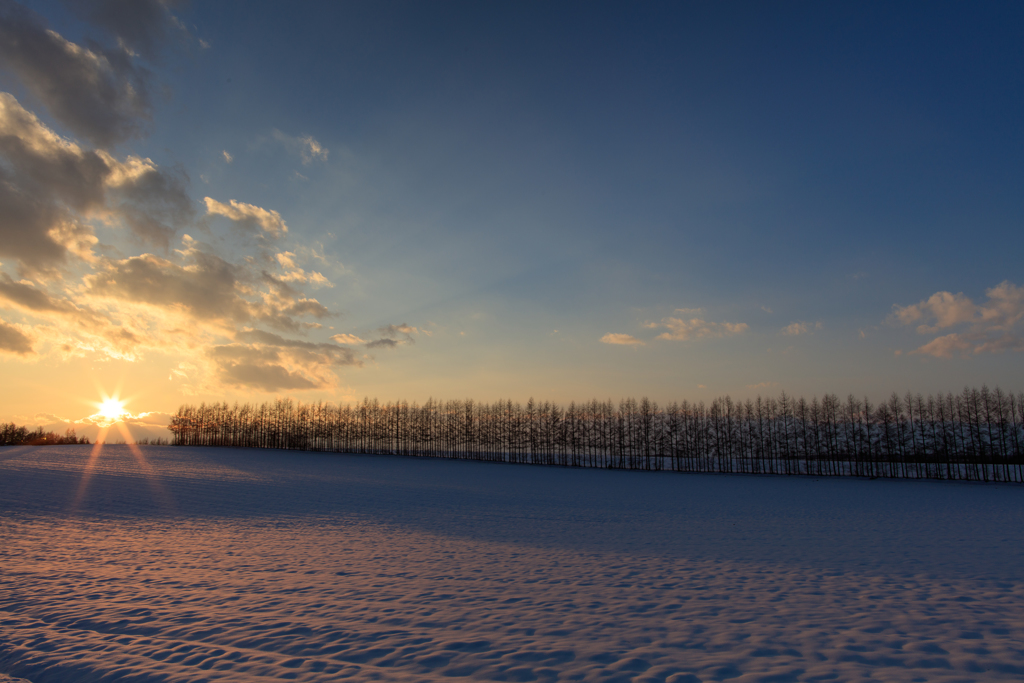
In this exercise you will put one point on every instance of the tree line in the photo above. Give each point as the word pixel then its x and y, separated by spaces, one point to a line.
pixel 974 435
pixel 13 435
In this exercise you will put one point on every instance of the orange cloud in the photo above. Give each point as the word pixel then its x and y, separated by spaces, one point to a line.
pixel 991 327
pixel 248 215
pixel 621 339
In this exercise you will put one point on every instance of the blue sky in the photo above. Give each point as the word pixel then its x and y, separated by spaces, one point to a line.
pixel 563 200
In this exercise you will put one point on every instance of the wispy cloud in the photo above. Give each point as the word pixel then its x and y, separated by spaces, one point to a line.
pixel 685 329
pixel 390 336
pixel 798 328
pixel 307 147
pixel 140 27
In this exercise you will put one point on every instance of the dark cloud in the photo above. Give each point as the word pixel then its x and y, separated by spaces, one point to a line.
pixel 50 186
pixel 143 26
pixel 99 94
pixel 25 224
pixel 393 335
pixel 29 298
pixel 305 353
pixel 269 362
pixel 267 377
pixel 286 303
pixel 258 368
pixel 154 204
pixel 13 340
pixel 206 288
pixel 47 166
pixel 307 307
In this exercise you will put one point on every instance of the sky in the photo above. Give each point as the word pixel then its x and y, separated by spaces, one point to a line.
pixel 245 201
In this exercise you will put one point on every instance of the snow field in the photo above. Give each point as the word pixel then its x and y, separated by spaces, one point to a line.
pixel 235 565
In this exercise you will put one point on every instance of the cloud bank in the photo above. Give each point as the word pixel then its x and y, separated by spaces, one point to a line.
pixel 990 327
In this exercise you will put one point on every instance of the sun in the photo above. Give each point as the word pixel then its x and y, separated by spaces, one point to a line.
pixel 112 409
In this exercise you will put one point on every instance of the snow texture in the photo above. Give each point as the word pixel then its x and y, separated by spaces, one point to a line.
pixel 190 564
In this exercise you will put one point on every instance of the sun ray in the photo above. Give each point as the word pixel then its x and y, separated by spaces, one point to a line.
pixel 111 412
pixel 94 455
pixel 147 470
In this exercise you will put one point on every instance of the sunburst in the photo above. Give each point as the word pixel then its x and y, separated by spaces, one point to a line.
pixel 111 412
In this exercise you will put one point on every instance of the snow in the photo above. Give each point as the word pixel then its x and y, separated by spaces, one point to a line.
pixel 192 564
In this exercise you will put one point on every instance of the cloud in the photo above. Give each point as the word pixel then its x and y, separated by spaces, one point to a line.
pixel 306 146
pixel 295 274
pixel 763 385
pixel 71 328
pixel 100 420
pixel 143 27
pixel 248 216
pixel 680 329
pixel 945 346
pixel 225 321
pixel 206 288
pixel 391 336
pixel 99 94
pixel 268 362
pixel 27 297
pixel 186 307
pixel 265 376
pixel 943 308
pixel 300 351
pixel 344 338
pixel 152 203
pixel 13 340
pixel 623 339
pixel 50 188
pixel 797 328
pixel 991 327
pixel 203 287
